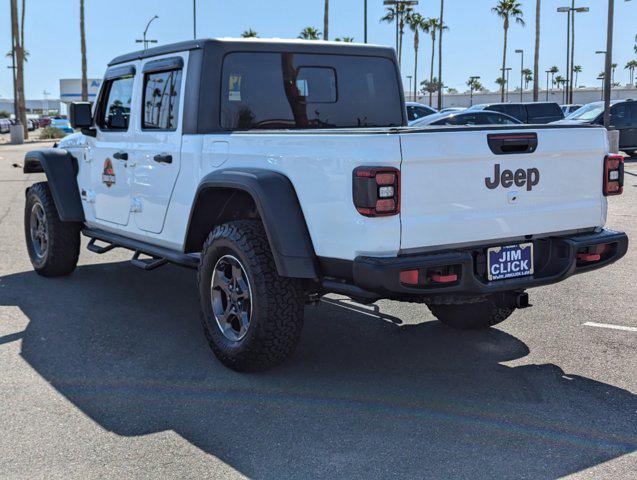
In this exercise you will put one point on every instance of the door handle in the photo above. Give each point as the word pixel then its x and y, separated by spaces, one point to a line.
pixel 120 156
pixel 164 158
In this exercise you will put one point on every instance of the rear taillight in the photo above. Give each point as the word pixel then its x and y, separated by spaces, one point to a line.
pixel 376 191
pixel 613 175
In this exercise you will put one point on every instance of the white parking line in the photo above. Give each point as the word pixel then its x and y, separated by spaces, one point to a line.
pixel 613 327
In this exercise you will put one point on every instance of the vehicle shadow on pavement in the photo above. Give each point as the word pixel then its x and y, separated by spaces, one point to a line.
pixel 363 397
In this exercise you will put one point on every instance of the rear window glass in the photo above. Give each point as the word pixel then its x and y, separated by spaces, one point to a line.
pixel 287 90
pixel 544 109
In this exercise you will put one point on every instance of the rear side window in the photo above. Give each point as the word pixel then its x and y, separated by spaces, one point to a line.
pixel 115 104
pixel 161 100
pixel 544 111
pixel 308 91
pixel 493 119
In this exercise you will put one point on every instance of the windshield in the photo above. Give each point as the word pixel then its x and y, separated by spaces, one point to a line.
pixel 587 112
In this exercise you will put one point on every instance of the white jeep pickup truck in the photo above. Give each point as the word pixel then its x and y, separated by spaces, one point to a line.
pixel 284 170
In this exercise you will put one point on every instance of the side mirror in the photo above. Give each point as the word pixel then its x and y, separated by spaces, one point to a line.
pixel 80 115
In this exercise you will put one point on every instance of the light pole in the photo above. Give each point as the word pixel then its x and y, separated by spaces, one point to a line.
pixel 521 52
pixel 365 20
pixel 472 81
pixel 547 84
pixel 194 19
pixel 505 77
pixel 46 101
pixel 144 40
pixel 567 10
pixel 572 70
pixel 409 77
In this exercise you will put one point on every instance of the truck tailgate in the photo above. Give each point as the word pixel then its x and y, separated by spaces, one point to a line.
pixel 450 193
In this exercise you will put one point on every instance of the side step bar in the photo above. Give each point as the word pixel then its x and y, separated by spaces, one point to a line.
pixel 160 255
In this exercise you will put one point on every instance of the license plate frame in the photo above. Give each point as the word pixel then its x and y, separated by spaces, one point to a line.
pixel 507 266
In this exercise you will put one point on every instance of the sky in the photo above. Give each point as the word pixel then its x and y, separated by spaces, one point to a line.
pixel 472 46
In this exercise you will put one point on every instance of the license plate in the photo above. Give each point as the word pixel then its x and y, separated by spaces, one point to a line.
pixel 511 261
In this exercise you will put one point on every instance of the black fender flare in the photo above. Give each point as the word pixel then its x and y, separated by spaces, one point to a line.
pixel 61 170
pixel 280 211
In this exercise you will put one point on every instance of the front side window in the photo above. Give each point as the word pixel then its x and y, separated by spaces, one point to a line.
pixel 161 100
pixel 308 91
pixel 116 104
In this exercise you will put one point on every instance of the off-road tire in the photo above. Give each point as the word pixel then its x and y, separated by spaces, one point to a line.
pixel 471 316
pixel 63 247
pixel 277 303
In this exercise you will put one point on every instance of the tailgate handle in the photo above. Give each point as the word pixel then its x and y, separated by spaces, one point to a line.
pixel 512 143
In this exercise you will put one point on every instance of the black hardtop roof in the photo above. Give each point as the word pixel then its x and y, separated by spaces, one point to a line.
pixel 258 44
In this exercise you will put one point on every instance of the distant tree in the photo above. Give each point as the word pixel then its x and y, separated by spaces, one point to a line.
pixel 416 24
pixel 249 33
pixel 631 66
pixel 430 86
pixel 400 11
pixel 5 114
pixel 432 27
pixel 613 67
pixel 507 10
pixel 528 77
pixel 452 90
pixel 344 39
pixel 501 81
pixel 577 69
pixel 310 33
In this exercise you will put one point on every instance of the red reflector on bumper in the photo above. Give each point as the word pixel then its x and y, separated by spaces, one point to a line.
pixel 409 277
pixel 444 278
pixel 589 257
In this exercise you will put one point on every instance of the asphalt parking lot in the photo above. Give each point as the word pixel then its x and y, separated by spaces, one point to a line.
pixel 106 374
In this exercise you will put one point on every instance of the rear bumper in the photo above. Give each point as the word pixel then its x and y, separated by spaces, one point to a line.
pixel 555 260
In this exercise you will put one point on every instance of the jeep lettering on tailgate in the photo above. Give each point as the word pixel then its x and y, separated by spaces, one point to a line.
pixel 529 177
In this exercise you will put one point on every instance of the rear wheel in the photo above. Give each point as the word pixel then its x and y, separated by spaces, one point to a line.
pixel 252 317
pixel 53 245
pixel 471 316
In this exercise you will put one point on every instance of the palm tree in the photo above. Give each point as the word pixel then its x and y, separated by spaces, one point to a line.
pixel 577 69
pixel 19 52
pixel 553 70
pixel 560 81
pixel 631 66
pixel 310 33
pixel 416 23
pixel 344 39
pixel 528 77
pixel 430 86
pixel 400 12
pixel 441 27
pixel 613 67
pixel 83 50
pixel 474 86
pixel 249 33
pixel 507 10
pixel 431 26
pixel 326 20
pixel 536 57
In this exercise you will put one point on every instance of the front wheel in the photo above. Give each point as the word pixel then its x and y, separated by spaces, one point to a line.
pixel 252 317
pixel 53 245
pixel 471 316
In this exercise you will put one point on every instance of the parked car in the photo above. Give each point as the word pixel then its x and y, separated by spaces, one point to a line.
pixel 45 122
pixel 623 117
pixel 568 109
pixel 280 192
pixel 532 113
pixel 416 111
pixel 63 124
pixel 484 117
pixel 453 109
pixel 5 125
